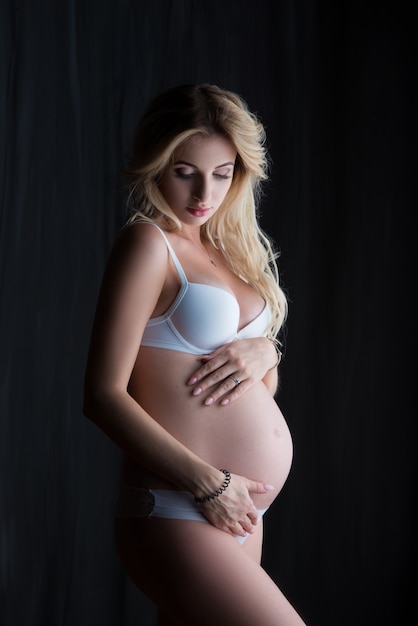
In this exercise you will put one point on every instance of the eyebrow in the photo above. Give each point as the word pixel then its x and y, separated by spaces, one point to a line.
pixel 215 168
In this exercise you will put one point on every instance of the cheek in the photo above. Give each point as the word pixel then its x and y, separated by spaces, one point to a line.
pixel 169 191
pixel 224 191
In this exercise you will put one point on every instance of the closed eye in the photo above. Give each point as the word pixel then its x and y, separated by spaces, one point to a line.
pixel 185 175
pixel 181 174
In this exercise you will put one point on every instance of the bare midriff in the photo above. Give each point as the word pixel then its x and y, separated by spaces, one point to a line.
pixel 248 437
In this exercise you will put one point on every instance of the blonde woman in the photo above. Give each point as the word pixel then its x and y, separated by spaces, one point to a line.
pixel 182 367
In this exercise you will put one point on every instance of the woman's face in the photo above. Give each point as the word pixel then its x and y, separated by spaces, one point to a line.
pixel 197 181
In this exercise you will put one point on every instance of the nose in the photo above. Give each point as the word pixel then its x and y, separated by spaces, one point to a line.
pixel 201 192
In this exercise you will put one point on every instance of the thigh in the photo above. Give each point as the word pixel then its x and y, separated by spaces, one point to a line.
pixel 197 574
pixel 254 543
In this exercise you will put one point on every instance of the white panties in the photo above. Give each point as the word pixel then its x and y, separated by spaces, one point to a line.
pixel 166 503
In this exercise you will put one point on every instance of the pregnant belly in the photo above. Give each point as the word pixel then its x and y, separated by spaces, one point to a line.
pixel 252 439
pixel 249 437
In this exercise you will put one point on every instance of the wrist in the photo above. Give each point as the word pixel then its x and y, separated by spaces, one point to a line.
pixel 217 492
pixel 278 352
pixel 207 482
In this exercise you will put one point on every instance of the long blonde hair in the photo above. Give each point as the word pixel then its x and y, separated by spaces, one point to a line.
pixel 176 115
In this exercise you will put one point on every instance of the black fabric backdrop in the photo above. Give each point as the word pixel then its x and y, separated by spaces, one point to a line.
pixel 335 85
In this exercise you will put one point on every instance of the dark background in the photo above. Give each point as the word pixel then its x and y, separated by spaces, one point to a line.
pixel 334 83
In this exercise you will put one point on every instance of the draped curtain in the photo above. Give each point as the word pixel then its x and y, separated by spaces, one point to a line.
pixel 334 84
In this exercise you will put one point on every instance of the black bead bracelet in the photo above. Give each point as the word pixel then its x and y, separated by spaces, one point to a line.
pixel 218 492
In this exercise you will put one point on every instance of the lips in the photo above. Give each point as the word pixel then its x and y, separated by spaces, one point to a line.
pixel 199 211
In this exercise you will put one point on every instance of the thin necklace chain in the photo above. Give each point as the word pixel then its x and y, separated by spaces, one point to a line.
pixel 210 259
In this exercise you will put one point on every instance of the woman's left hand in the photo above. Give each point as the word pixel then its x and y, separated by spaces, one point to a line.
pixel 233 368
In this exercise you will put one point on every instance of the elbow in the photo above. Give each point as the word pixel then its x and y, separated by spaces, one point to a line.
pixel 92 403
pixel 100 402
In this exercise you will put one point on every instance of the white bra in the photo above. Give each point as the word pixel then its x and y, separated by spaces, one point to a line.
pixel 201 318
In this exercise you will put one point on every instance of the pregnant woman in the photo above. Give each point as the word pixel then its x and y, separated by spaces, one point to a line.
pixel 182 366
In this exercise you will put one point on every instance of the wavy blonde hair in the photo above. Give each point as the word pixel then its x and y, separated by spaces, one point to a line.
pixel 173 117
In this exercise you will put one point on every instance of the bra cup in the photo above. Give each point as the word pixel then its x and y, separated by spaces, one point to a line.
pixel 256 328
pixel 206 317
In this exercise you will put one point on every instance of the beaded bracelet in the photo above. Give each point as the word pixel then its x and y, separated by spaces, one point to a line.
pixel 278 352
pixel 218 492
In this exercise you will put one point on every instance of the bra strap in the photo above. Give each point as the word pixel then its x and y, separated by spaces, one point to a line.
pixel 173 255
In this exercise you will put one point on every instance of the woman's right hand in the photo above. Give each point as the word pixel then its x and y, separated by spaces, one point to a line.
pixel 233 511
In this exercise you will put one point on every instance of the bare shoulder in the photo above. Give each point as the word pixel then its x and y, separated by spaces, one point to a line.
pixel 139 246
pixel 141 238
pixel 138 261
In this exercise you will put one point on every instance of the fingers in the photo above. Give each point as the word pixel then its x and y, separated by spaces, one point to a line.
pixel 251 521
pixel 225 379
pixel 242 528
pixel 244 360
pixel 227 391
pixel 213 371
pixel 257 487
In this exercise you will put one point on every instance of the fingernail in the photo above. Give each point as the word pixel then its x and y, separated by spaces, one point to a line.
pixel 268 487
pixel 191 381
pixel 197 391
pixel 225 401
pixel 209 400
